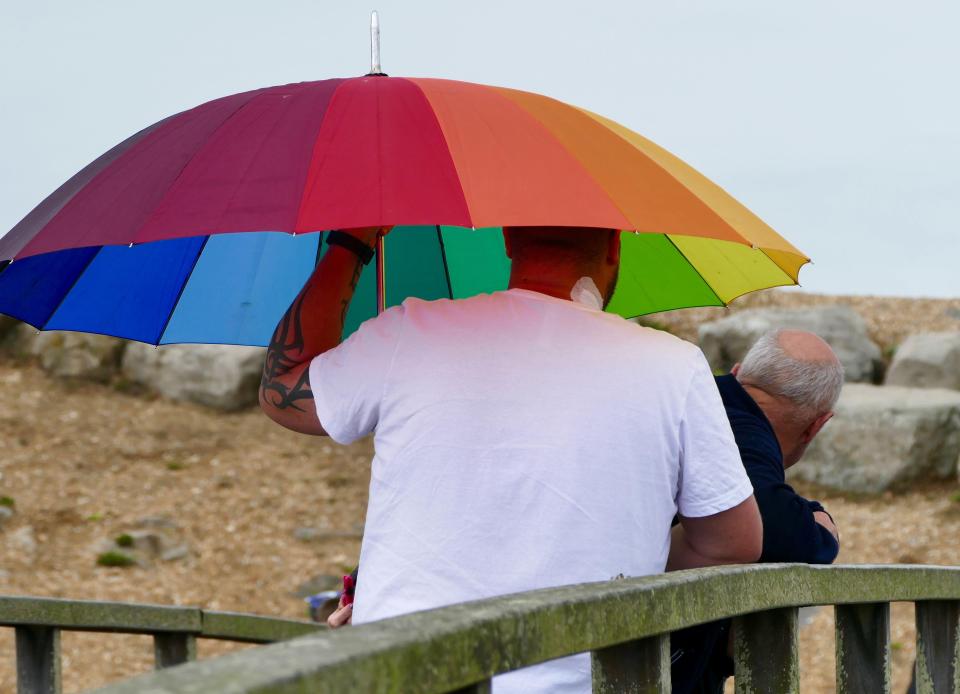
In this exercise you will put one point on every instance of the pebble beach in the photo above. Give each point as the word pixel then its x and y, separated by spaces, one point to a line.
pixel 85 462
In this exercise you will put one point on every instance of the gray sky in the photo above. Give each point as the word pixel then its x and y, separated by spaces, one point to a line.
pixel 838 123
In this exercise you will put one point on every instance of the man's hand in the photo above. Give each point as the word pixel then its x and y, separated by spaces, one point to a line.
pixel 341 616
pixel 823 518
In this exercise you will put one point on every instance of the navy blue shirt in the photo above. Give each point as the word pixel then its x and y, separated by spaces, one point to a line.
pixel 699 660
pixel 790 532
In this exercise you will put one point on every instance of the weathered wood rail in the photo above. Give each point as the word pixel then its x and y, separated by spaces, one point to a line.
pixel 625 624
pixel 38 623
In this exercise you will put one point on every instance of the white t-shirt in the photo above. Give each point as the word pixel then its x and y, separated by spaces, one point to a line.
pixel 522 441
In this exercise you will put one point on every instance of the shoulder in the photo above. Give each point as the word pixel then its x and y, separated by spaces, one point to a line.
pixel 666 340
pixel 385 327
pixel 754 431
pixel 661 344
pixel 477 304
pixel 392 316
pixel 757 443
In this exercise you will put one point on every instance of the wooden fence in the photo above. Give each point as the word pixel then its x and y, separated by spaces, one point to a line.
pixel 39 621
pixel 625 624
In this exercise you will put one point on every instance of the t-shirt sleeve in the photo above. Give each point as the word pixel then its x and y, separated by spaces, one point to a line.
pixel 348 381
pixel 712 478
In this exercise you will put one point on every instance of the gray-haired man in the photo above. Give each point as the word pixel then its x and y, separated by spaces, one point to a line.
pixel 777 400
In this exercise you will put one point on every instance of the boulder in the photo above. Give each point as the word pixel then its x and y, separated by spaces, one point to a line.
pixel 726 341
pixel 151 539
pixel 885 437
pixel 927 360
pixel 68 354
pixel 225 377
pixel 7 325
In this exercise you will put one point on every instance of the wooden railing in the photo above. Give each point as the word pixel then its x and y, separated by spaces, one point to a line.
pixel 624 623
pixel 39 621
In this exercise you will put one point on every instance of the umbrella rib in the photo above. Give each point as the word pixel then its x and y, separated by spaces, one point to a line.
pixel 794 280
pixel 72 285
pixel 443 257
pixel 696 270
pixel 672 175
pixel 183 286
pixel 193 155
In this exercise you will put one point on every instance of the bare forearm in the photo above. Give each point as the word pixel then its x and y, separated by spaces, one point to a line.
pixel 733 536
pixel 311 326
pixel 684 556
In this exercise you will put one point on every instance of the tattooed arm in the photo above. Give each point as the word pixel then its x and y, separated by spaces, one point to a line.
pixel 312 325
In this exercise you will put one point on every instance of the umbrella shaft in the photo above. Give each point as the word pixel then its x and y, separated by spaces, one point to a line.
pixel 381 288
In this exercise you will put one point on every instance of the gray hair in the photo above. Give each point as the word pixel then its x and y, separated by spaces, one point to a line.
pixel 813 386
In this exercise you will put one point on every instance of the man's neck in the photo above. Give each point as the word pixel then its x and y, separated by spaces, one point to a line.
pixel 553 279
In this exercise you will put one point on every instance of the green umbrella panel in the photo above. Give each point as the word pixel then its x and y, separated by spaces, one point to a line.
pixel 657 272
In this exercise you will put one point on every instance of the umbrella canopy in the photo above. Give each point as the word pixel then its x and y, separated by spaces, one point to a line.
pixel 143 242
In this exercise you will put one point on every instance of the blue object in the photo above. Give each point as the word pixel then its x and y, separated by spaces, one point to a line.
pixel 790 532
pixel 223 289
pixel 699 660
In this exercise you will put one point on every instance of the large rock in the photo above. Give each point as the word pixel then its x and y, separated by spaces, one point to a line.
pixel 153 538
pixel 927 360
pixel 885 437
pixel 222 376
pixel 726 341
pixel 69 354
pixel 7 325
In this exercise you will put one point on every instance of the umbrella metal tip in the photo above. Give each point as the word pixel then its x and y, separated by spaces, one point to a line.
pixel 375 43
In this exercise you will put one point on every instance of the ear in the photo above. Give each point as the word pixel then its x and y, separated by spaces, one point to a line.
pixel 613 248
pixel 815 426
pixel 736 369
pixel 506 243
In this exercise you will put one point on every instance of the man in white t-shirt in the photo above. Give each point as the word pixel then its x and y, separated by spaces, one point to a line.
pixel 524 439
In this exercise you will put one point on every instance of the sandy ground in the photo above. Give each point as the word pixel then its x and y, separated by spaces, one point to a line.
pixel 84 462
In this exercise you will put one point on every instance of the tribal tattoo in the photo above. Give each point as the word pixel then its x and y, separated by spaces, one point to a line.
pixel 285 346
pixel 286 351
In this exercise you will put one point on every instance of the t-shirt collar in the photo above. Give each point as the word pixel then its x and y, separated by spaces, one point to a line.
pixel 583 299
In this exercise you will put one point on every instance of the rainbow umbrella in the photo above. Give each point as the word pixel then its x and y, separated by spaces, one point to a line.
pixel 203 227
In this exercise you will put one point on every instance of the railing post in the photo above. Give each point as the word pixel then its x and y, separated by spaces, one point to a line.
pixel 635 667
pixel 38 660
pixel 938 647
pixel 173 648
pixel 863 648
pixel 765 652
